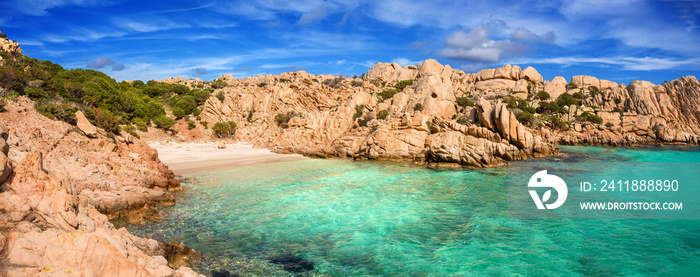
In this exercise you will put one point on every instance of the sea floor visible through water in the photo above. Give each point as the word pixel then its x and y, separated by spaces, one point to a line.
pixel 392 219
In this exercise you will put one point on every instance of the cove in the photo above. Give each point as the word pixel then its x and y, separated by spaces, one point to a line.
pixel 389 219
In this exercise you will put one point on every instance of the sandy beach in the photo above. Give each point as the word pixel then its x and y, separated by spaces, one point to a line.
pixel 185 158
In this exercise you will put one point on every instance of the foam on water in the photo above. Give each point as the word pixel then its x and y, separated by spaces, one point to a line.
pixel 375 218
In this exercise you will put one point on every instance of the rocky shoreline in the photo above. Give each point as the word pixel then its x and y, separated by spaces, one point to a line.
pixel 61 188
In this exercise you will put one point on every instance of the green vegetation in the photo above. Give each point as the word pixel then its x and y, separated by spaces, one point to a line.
pixel 571 85
pixel 543 95
pixel 191 125
pixel 464 102
pixel 566 99
pixel 618 100
pixel 224 129
pixel 250 115
pixel 359 110
pixel 618 110
pixel 283 80
pixel 283 119
pixel 559 124
pixel 356 83
pixel 163 122
pixel 411 67
pixel 514 103
pixel 463 121
pixel 59 93
pixel 418 107
pixel 403 84
pixel 217 84
pixel 383 114
pixel 386 94
pixel 593 90
pixel 260 85
pixel 608 124
pixel 363 121
pixel 525 118
pixel 577 95
pixel 592 118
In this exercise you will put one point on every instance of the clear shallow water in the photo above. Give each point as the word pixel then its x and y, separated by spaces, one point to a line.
pixel 387 219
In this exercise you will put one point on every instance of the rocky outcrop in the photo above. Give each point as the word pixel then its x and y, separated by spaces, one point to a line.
pixel 342 119
pixel 335 116
pixel 62 183
pixel 9 46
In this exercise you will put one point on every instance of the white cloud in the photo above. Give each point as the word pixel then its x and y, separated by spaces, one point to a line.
pixel 405 61
pixel 627 63
pixel 527 36
pixel 102 62
pixel 314 15
pixel 149 25
pixel 479 46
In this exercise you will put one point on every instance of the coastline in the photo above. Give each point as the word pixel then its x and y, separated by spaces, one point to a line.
pixel 191 157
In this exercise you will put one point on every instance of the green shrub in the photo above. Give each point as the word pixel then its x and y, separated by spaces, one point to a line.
pixel 383 114
pixel 525 118
pixel 224 129
pixel 411 67
pixel 463 121
pixel 283 80
pixel 363 121
pixel 205 124
pixel 571 85
pixel 618 110
pixel 464 102
pixel 140 124
pixel 283 119
pixel 608 124
pixel 543 95
pixel 386 94
pixel 56 110
pixel 592 118
pixel 131 130
pixel 250 115
pixel 259 85
pixel 403 84
pixel 593 90
pixel 164 122
pixel 578 95
pixel 191 125
pixel 566 99
pixel 35 93
pixel 220 96
pixel 418 107
pixel 105 120
pixel 359 110
pixel 559 124
pixel 179 112
pixel 217 84
pixel 356 83
pixel 618 100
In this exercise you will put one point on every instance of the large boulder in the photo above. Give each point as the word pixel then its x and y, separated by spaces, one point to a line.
pixel 555 87
pixel 531 74
pixel 85 126
pixel 583 81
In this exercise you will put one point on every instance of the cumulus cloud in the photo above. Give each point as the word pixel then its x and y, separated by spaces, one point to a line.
pixel 102 62
pixel 479 46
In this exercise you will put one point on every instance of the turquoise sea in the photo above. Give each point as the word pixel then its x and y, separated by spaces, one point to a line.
pixel 365 218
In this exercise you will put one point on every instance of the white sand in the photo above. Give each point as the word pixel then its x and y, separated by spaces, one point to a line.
pixel 185 158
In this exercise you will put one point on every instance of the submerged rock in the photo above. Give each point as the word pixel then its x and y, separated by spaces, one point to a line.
pixel 293 263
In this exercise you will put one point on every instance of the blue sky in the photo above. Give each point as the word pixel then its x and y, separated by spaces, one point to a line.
pixel 616 40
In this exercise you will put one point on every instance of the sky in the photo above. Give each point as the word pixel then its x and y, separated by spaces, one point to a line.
pixel 615 40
